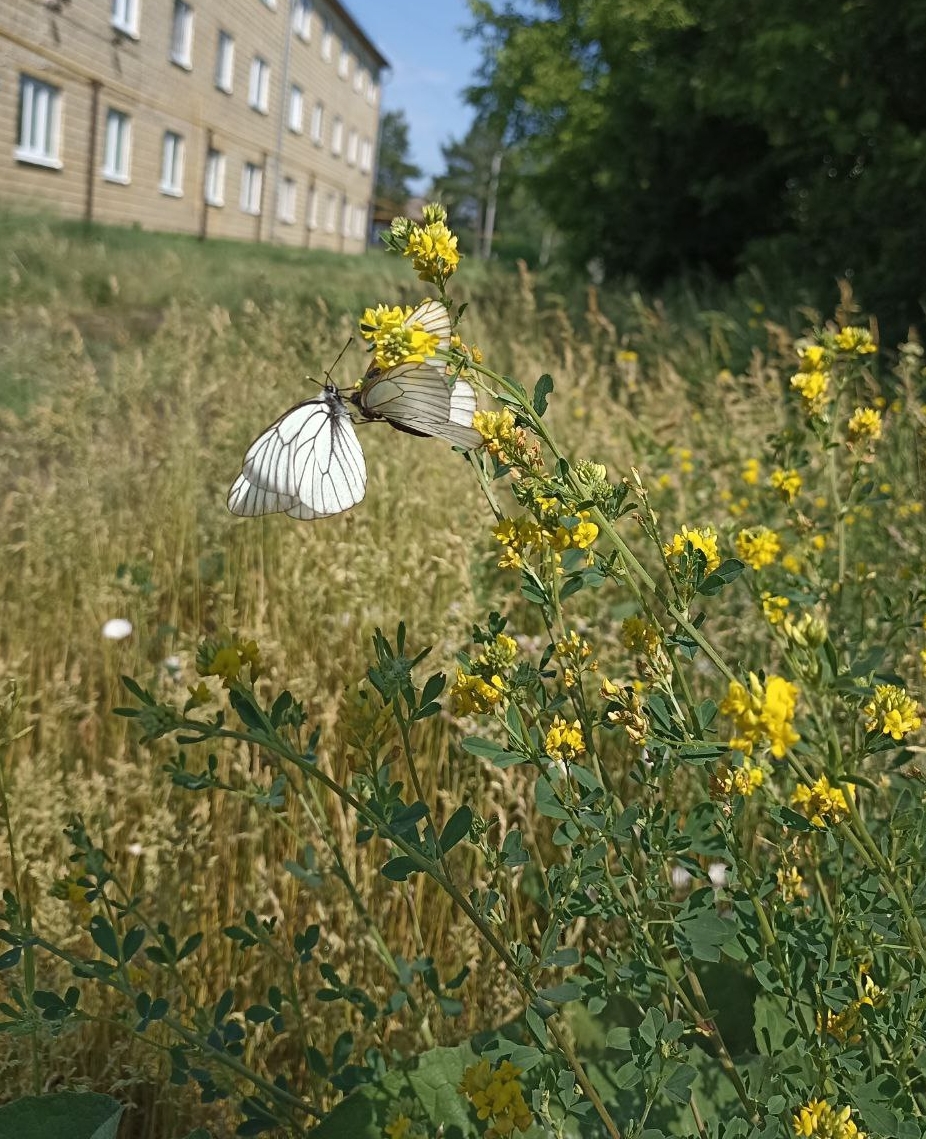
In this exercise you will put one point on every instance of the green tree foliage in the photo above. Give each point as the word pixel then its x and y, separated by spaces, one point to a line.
pixel 394 170
pixel 666 134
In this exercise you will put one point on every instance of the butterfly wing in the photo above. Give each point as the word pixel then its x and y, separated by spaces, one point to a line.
pixel 434 319
pixel 308 464
pixel 419 398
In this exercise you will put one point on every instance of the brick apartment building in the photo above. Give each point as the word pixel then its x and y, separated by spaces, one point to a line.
pixel 251 119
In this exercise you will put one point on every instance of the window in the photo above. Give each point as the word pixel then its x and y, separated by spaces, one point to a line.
pixel 39 122
pixel 225 63
pixel 366 156
pixel 331 211
pixel 311 209
pixel 344 62
pixel 214 188
pixel 125 17
pixel 372 90
pixel 286 201
pixel 346 213
pixel 360 222
pixel 172 165
pixel 360 79
pixel 252 180
pixel 271 4
pixel 181 37
pixel 327 42
pixel 337 136
pixel 352 143
pixel 318 123
pixel 116 146
pixel 295 109
pixel 259 90
pixel 302 19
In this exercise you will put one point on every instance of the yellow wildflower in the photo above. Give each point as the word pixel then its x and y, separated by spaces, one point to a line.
pixel 500 653
pixel 788 483
pixel 474 694
pixel 774 607
pixel 703 539
pixel 396 341
pixel 855 340
pixel 814 389
pixel 564 741
pixel 497 1097
pixel 822 803
pixel 761 713
pixel 584 534
pixel 892 712
pixel 865 425
pixel 399 1128
pixel 817 1120
pixel 790 883
pixel 640 636
pixel 727 781
pixel 433 250
pixel 750 473
pixel 758 547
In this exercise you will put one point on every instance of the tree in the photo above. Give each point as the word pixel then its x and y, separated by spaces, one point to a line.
pixel 666 134
pixel 394 169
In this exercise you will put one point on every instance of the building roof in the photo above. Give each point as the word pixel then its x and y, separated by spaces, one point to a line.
pixel 358 31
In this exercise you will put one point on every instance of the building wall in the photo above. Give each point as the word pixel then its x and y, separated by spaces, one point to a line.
pixel 73 46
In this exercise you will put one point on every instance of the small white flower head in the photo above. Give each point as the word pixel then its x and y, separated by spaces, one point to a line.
pixel 135 849
pixel 172 664
pixel 680 877
pixel 717 872
pixel 117 629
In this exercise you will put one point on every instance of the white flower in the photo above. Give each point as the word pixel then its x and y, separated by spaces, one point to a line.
pixel 117 629
pixel 680 877
pixel 135 849
pixel 717 872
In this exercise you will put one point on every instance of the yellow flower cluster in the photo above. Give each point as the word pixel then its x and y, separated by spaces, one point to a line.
pixel 758 547
pixel 396 341
pixel 624 708
pixel 564 741
pixel 523 535
pixel 431 246
pixel 822 803
pixel 575 657
pixel 500 653
pixel 817 1120
pixel 727 781
pixel 774 607
pixel 703 539
pixel 496 427
pixel 790 883
pixel 813 378
pixel 225 659
pixel 843 1025
pixel 892 712
pixel 399 1128
pixel 788 483
pixel 857 341
pixel 865 425
pixel 761 713
pixel 640 636
pixel 475 694
pixel 750 472
pixel 497 1096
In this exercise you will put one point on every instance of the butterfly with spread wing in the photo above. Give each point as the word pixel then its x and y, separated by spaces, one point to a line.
pixel 309 463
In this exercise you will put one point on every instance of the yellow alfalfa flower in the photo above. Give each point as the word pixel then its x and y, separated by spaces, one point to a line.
pixel 774 607
pixel 817 1120
pixel 758 547
pixel 564 742
pixel 750 472
pixel 762 714
pixel 813 388
pixel 399 1128
pixel 702 538
pixel 865 425
pixel 857 341
pixel 582 535
pixel 892 712
pixel 788 483
pixel 574 654
pixel 640 636
pixel 225 659
pixel 497 1097
pixel 845 1025
pixel 433 250
pixel 822 804
pixel 499 653
pixel 395 340
pixel 744 780
pixel 499 430
pixel 475 694
pixel 791 885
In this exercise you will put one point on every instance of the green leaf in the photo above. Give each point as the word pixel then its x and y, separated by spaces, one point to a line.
pixel 457 828
pixel 249 714
pixel 66 1115
pixel 726 572
pixel 561 994
pixel 104 936
pixel 398 869
pixel 542 389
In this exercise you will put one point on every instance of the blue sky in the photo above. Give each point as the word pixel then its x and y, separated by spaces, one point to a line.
pixel 431 64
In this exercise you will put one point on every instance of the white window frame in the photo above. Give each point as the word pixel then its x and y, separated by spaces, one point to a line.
pixel 259 85
pixel 252 181
pixel 286 201
pixel 117 147
pixel 360 75
pixel 337 136
pixel 372 90
pixel 311 207
pixel 360 222
pixel 296 108
pixel 318 123
pixel 225 62
pixel 172 159
pixel 40 106
pixel 366 156
pixel 124 17
pixel 347 213
pixel 181 35
pixel 344 62
pixel 331 213
pixel 327 42
pixel 302 19
pixel 214 182
pixel 353 141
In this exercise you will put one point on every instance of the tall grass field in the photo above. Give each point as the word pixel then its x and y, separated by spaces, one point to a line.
pixel 134 371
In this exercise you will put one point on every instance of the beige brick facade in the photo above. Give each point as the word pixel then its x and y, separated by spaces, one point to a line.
pixel 252 119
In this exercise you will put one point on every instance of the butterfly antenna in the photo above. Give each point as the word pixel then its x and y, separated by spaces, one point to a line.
pixel 328 372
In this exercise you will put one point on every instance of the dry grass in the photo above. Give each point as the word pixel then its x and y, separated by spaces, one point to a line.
pixel 113 472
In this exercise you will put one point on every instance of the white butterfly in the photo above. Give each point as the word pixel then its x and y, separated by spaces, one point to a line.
pixel 309 464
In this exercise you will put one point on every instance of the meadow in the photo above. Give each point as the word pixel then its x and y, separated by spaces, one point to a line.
pixel 134 371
